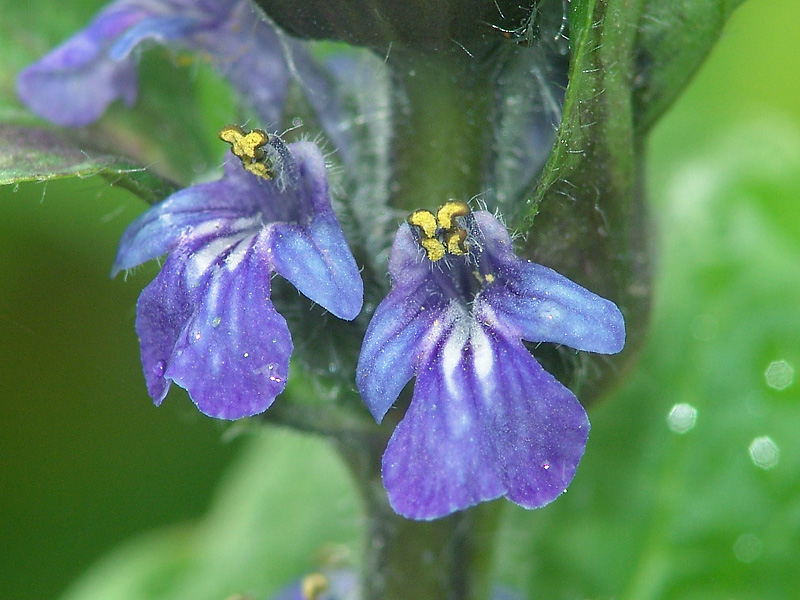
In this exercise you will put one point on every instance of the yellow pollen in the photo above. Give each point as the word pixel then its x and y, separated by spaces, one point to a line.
pixel 313 586
pixel 441 234
pixel 248 147
pixel 457 242
pixel 489 278
pixel 449 211
pixel 434 248
pixel 425 220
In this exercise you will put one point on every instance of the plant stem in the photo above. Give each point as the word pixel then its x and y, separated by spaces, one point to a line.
pixel 442 135
pixel 441 143
pixel 445 559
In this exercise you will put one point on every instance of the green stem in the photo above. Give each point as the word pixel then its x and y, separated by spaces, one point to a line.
pixel 441 137
pixel 442 134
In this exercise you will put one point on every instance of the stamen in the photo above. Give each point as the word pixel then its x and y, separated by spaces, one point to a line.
pixel 425 220
pixel 457 242
pixel 433 248
pixel 439 235
pixel 449 211
pixel 248 147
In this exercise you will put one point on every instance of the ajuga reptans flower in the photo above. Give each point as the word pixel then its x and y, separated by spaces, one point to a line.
pixel 207 322
pixel 485 420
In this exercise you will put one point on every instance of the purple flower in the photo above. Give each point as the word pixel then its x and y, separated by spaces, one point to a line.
pixel 207 322
pixel 75 83
pixel 485 419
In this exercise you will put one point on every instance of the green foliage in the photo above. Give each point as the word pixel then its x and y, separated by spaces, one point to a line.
pixel 286 492
pixel 36 154
pixel 657 514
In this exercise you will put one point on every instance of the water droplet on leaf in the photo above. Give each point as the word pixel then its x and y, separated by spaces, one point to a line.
pixel 764 452
pixel 682 418
pixel 779 375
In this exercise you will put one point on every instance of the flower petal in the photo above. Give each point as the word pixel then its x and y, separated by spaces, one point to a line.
pixel 392 343
pixel 439 460
pixel 247 51
pixel 233 355
pixel 485 420
pixel 542 305
pixel 217 209
pixel 313 254
pixel 318 262
pixel 538 427
pixel 74 84
pixel 390 348
pixel 163 309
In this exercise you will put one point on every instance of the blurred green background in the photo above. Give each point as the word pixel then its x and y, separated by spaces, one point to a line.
pixel 690 487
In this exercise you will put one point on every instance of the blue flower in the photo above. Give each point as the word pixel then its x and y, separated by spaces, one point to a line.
pixel 207 322
pixel 485 420
pixel 75 83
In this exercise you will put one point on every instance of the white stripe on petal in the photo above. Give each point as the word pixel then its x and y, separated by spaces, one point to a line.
pixel 452 354
pixel 483 357
pixel 238 253
pixel 200 260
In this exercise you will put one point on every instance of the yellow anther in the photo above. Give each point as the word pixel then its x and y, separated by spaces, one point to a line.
pixel 440 234
pixel 248 147
pixel 425 220
pixel 449 211
pixel 261 169
pixel 434 248
pixel 245 145
pixel 313 586
pixel 457 242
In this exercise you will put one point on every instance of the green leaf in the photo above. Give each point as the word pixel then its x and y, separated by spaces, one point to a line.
pixel 586 217
pixel 38 154
pixel 674 38
pixel 286 509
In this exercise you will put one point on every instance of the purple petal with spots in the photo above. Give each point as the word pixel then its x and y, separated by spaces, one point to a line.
pixel 207 322
pixel 485 421
pixel 304 242
pixel 232 354
pixel 162 312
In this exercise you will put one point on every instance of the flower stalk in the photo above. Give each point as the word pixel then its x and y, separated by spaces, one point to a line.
pixel 449 558
pixel 442 133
